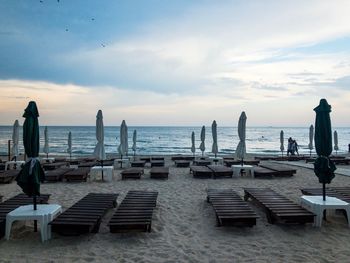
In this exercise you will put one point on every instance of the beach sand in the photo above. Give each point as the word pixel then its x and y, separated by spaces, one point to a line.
pixel 184 226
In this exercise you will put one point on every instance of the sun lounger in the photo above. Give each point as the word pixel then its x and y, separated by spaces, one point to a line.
pixel 280 169
pixel 85 215
pixel 53 166
pixel 202 162
pixel 220 171
pixel 263 172
pixel 157 163
pixel 182 163
pixel 138 164
pixel 341 193
pixel 146 159
pixel 14 202
pixel 230 209
pixel 201 171
pixel 8 176
pixel 277 207
pixel 88 164
pixel 56 175
pixel 159 172
pixel 134 213
pixel 79 174
pixel 132 173
pixel 157 158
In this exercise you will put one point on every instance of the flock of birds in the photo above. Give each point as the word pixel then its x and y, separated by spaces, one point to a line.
pixel 92 19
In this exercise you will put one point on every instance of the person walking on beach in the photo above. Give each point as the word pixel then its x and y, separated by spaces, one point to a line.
pixel 295 147
pixel 289 148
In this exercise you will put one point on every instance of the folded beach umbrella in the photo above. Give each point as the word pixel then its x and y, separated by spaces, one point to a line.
pixel 241 147
pixel 336 148
pixel 15 139
pixel 193 147
pixel 123 147
pixel 323 167
pixel 202 145
pixel 31 174
pixel 69 149
pixel 282 141
pixel 134 142
pixel 311 138
pixel 99 151
pixel 214 148
pixel 46 145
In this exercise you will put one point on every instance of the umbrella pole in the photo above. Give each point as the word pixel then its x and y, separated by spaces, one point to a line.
pixel 9 149
pixel 102 168
pixel 35 221
pixel 134 155
pixel 324 191
pixel 121 161
pixel 47 156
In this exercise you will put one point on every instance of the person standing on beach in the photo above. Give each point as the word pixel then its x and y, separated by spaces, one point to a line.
pixel 289 148
pixel 295 146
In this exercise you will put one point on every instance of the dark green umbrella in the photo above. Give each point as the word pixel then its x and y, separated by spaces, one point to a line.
pixel 324 168
pixel 32 173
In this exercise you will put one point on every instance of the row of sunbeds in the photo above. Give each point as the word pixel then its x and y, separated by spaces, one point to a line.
pixel 135 212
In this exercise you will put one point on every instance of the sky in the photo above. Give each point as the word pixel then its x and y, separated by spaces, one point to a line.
pixel 183 62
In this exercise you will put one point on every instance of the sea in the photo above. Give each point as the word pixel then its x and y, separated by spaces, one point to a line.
pixel 160 140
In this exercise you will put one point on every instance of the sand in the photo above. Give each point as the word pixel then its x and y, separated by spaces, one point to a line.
pixel 184 226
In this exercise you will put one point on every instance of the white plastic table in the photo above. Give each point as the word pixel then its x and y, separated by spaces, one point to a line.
pixel 44 215
pixel 237 169
pixel 124 162
pixel 216 160
pixel 316 205
pixel 107 172
pixel 11 163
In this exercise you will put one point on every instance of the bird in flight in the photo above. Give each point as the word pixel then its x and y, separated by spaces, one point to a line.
pixel 103 45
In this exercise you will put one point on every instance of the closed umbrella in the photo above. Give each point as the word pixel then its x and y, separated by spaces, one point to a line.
pixel 241 147
pixel 193 147
pixel 99 151
pixel 202 145
pixel 323 167
pixel 46 145
pixel 69 149
pixel 15 139
pixel 311 138
pixel 134 142
pixel 336 148
pixel 31 174
pixel 282 141
pixel 123 147
pixel 214 148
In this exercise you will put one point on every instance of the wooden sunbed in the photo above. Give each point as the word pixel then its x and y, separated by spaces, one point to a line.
pixel 157 158
pixel 182 163
pixel 14 202
pixel 79 174
pixel 134 213
pixel 53 166
pixel 201 171
pixel 85 215
pixel 263 172
pixel 201 162
pixel 8 176
pixel 146 159
pixel 88 164
pixel 230 209
pixel 280 169
pixel 342 193
pixel 159 172
pixel 132 173
pixel 157 163
pixel 56 175
pixel 138 164
pixel 277 207
pixel 220 171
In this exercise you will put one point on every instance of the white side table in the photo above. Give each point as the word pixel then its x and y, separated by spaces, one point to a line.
pixel 316 205
pixel 44 214
pixel 217 160
pixel 125 163
pixel 107 172
pixel 10 164
pixel 237 169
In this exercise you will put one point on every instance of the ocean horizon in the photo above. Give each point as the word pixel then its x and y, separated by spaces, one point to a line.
pixel 152 140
